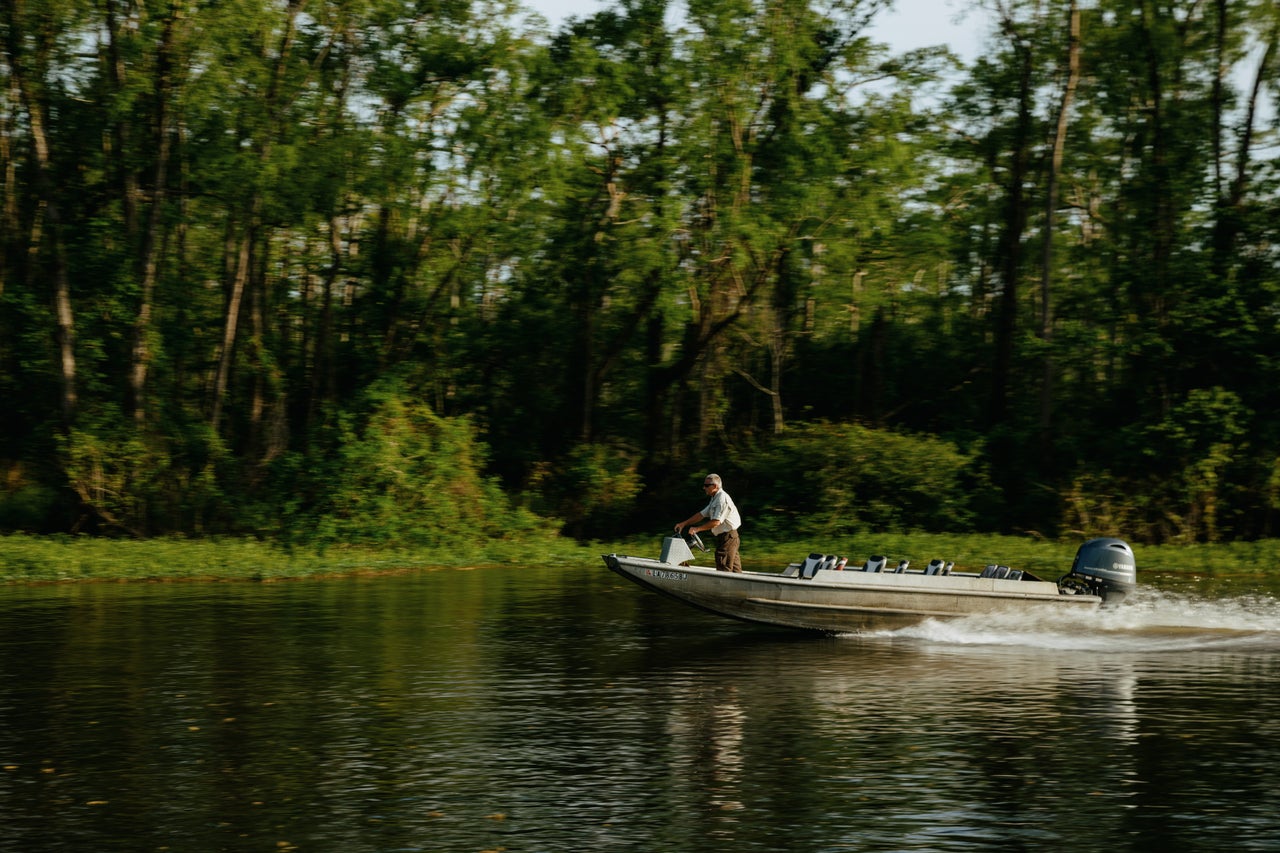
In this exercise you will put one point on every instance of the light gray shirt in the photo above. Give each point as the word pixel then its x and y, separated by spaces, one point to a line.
pixel 723 510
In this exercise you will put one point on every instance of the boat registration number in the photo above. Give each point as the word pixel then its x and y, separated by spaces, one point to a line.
pixel 666 576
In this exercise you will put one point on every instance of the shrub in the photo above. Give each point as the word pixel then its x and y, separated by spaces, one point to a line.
pixel 404 475
pixel 26 506
pixel 844 478
pixel 593 488
pixel 140 483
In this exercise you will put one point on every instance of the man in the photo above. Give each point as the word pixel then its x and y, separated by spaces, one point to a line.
pixel 720 516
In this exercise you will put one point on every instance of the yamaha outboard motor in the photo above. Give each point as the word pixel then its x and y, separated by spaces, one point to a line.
pixel 1105 568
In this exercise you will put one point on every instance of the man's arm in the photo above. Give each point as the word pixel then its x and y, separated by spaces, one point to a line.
pixel 693 519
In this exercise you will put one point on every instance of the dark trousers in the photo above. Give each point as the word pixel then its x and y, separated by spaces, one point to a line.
pixel 727 559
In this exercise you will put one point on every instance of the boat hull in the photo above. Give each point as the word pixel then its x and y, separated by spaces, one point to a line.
pixel 843 601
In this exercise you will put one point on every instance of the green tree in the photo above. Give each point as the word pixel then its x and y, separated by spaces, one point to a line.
pixel 37 47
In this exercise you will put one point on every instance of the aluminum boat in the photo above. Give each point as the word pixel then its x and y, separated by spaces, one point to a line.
pixel 823 592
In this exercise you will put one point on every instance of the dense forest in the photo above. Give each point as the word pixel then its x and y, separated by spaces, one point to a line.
pixel 386 270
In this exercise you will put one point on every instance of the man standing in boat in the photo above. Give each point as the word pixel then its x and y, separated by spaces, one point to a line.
pixel 720 516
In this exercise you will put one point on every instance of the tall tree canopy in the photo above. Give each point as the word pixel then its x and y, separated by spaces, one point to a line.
pixel 258 261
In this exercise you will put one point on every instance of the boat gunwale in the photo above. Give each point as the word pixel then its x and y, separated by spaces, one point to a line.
pixel 891 587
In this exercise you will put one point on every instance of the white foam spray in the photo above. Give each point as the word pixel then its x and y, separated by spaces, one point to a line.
pixel 1149 621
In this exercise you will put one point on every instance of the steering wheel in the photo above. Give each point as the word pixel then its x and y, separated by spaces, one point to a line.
pixel 694 539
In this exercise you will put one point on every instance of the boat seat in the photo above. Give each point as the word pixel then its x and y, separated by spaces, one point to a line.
pixel 995 572
pixel 902 566
pixel 946 570
pixel 811 565
pixel 935 567
pixel 875 564
pixel 1015 574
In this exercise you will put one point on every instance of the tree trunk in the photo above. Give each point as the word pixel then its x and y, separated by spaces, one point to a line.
pixel 1050 216
pixel 121 128
pixel 9 220
pixel 1227 226
pixel 243 271
pixel 231 322
pixel 1009 249
pixel 45 249
pixel 152 242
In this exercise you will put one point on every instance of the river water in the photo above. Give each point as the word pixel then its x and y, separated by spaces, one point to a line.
pixel 523 708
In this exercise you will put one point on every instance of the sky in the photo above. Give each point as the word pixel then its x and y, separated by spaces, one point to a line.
pixel 910 24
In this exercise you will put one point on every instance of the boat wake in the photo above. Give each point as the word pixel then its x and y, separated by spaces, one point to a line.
pixel 1149 621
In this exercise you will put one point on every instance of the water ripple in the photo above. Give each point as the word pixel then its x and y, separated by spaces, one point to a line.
pixel 531 710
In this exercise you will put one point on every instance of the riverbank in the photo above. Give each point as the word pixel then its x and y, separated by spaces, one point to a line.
pixel 64 559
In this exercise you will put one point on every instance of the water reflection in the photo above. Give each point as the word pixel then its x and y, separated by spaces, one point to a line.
pixel 535 709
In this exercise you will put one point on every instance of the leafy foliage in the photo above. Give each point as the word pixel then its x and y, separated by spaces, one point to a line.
pixel 839 478
pixel 403 475
pixel 594 489
pixel 376 271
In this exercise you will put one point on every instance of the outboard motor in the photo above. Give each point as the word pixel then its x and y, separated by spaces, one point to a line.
pixel 1103 567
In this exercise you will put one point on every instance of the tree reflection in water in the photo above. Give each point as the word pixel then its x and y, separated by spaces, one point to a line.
pixel 547 709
